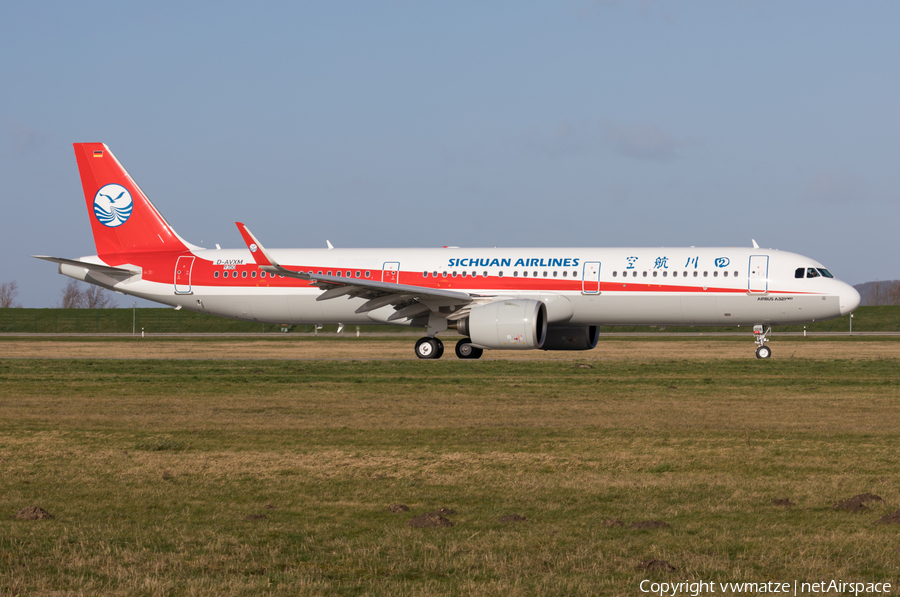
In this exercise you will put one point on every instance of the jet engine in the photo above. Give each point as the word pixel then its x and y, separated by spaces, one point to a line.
pixel 515 324
pixel 571 337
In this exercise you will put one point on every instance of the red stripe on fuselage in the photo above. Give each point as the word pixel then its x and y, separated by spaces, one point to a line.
pixel 160 267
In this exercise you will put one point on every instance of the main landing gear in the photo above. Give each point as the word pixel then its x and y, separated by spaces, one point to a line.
pixel 465 350
pixel 432 348
pixel 762 351
pixel 429 348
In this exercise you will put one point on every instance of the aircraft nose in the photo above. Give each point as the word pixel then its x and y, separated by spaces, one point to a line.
pixel 849 299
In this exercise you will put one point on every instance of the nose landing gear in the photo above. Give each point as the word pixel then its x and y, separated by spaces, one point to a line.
pixel 762 351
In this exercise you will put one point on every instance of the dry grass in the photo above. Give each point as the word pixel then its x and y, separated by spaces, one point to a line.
pixel 151 467
pixel 305 347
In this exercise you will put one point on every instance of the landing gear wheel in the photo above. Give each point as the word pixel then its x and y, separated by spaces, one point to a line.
pixel 429 348
pixel 465 350
pixel 763 352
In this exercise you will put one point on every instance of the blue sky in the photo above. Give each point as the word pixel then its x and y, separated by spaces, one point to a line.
pixel 467 123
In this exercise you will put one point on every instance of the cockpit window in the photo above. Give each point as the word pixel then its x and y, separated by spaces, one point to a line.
pixel 800 272
pixel 811 272
pixel 824 272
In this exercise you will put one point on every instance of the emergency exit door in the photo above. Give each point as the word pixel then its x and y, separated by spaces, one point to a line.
pixel 391 272
pixel 183 275
pixel 590 277
pixel 759 274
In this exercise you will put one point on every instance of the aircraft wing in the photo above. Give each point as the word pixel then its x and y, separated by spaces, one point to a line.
pixel 408 301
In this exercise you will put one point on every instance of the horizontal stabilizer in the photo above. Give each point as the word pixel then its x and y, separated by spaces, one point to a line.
pixel 104 269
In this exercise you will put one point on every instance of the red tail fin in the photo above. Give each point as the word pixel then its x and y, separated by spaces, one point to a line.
pixel 122 218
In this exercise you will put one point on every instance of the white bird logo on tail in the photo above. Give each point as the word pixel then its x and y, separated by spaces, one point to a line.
pixel 113 205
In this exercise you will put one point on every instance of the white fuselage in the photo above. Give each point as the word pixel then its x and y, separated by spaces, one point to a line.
pixel 580 286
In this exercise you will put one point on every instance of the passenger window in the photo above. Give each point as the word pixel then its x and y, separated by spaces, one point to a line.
pixel 665 274
pixel 545 273
pixel 474 274
pixel 500 274
pixel 696 273
pixel 464 274
pixel 253 274
pixel 674 274
pixel 485 274
pixel 524 274
pixel 444 274
pixel 454 274
pixel 215 274
pixel 534 275
pixel 645 274
pixel 319 273
pixel 725 273
pixel 516 274
pixel 565 274
pixel 554 274
pixel 615 274
pixel 358 273
pixel 812 273
pixel 262 274
pixel 348 273
pixel 716 274
pixel 329 272
pixel 735 274
pixel 705 274
pixel 654 273
pixel 434 274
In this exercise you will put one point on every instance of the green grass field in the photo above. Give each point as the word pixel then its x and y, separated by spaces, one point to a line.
pixel 154 471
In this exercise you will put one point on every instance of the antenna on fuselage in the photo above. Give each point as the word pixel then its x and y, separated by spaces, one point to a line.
pixel 755 246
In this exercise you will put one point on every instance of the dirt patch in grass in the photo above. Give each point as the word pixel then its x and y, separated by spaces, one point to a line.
pixel 857 502
pixel 32 513
pixel 612 522
pixel 892 518
pixel 398 508
pixel 429 519
pixel 649 524
pixel 783 502
pixel 444 511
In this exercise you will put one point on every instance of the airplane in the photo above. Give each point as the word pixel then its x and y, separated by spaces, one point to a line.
pixel 496 298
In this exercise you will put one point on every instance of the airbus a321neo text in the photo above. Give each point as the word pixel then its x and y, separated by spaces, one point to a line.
pixel 498 299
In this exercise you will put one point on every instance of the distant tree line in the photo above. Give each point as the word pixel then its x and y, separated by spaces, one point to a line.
pixel 74 296
pixel 8 293
pixel 880 293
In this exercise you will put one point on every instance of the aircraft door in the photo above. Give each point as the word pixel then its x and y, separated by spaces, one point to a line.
pixel 391 272
pixel 183 274
pixel 590 280
pixel 759 274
